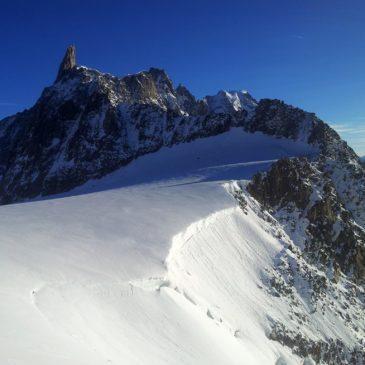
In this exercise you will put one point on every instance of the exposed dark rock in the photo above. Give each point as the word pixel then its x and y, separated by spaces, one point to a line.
pixel 362 161
pixel 188 102
pixel 287 181
pixel 68 62
pixel 316 277
pixel 328 352
pixel 274 117
pixel 332 236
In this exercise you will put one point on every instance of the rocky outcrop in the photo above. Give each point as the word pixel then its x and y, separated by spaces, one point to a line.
pixel 319 203
pixel 330 352
pixel 68 62
pixel 274 117
pixel 287 181
pixel 304 198
pixel 319 274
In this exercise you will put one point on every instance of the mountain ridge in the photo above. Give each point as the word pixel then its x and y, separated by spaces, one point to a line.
pixel 88 124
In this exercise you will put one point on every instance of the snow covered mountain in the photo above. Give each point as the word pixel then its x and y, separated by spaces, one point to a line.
pixel 88 124
pixel 179 231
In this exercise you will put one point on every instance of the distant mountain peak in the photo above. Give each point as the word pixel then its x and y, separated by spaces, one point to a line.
pixel 231 101
pixel 68 62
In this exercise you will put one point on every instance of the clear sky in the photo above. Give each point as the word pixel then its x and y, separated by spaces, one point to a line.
pixel 309 53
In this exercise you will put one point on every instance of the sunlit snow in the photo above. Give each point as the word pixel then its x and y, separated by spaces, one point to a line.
pixel 153 264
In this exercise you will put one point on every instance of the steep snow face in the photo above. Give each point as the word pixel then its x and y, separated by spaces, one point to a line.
pixel 117 275
pixel 277 280
pixel 216 264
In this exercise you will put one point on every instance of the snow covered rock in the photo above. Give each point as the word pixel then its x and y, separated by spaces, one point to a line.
pixel 329 250
pixel 88 124
pixel 231 102
pixel 303 191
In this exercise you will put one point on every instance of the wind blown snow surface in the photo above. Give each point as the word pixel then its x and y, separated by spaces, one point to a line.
pixel 153 264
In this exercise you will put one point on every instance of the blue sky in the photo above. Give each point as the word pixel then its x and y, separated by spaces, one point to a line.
pixel 309 53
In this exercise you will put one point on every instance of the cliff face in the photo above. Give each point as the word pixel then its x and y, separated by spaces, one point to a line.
pixel 304 197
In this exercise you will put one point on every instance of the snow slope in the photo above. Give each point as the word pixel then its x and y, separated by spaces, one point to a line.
pixel 232 155
pixel 153 264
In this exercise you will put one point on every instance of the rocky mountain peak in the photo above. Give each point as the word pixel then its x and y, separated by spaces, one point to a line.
pixel 160 77
pixel 90 123
pixel 68 62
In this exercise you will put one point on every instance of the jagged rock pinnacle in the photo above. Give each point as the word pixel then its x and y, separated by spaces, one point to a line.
pixel 68 62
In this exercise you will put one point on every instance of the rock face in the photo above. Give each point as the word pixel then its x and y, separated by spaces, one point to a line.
pixel 274 117
pixel 299 191
pixel 324 198
pixel 317 279
pixel 68 62
pixel 288 181
pixel 316 202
